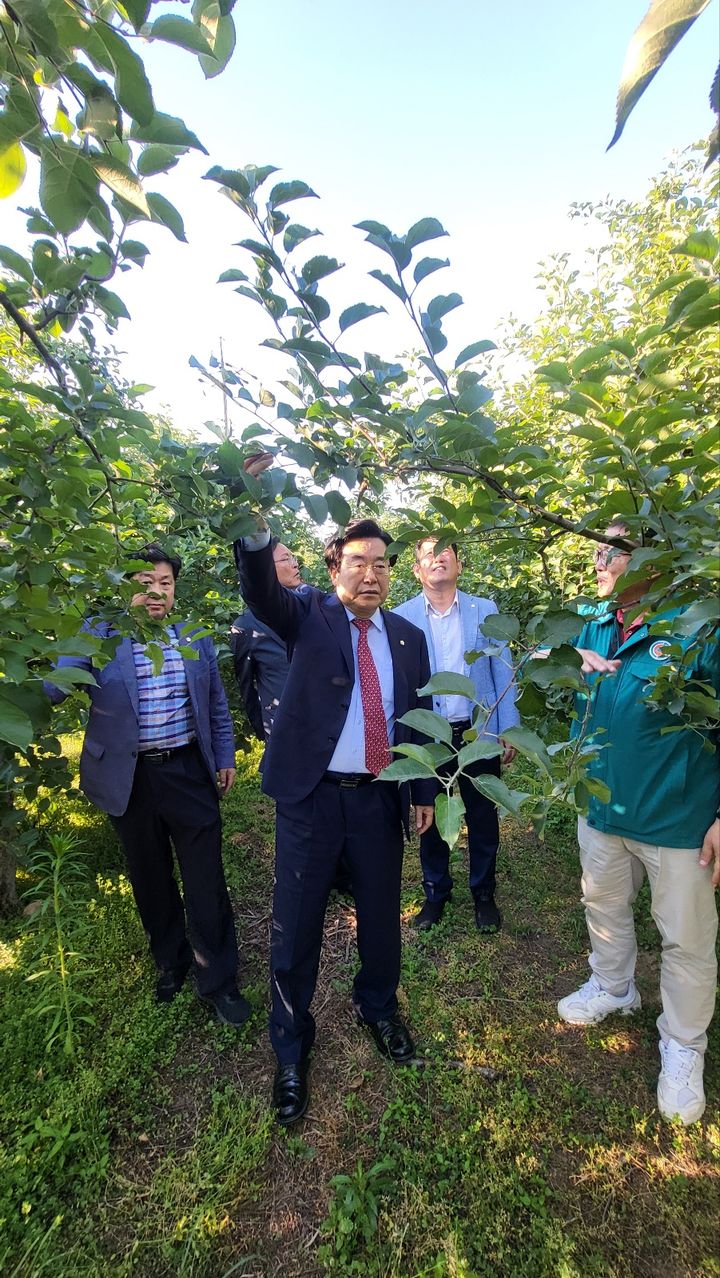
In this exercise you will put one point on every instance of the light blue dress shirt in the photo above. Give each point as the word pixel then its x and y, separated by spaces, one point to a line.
pixel 349 753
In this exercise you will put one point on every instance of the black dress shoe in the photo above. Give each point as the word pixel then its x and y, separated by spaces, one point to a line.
pixel 230 1008
pixel 391 1038
pixel 170 983
pixel 291 1094
pixel 430 914
pixel 487 915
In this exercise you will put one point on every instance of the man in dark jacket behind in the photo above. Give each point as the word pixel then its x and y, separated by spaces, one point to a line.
pixel 260 656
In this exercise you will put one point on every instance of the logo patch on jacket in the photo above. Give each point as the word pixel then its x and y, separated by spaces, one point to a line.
pixel 660 650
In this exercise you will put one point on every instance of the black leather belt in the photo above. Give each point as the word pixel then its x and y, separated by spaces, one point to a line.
pixel 162 756
pixel 462 725
pixel 349 780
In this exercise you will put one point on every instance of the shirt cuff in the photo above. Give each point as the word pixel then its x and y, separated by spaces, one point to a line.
pixel 257 541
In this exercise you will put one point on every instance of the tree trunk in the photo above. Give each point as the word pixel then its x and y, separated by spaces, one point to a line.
pixel 8 888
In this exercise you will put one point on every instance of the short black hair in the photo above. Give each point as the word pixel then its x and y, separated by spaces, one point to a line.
pixel 154 553
pixel 274 543
pixel 431 537
pixel 356 530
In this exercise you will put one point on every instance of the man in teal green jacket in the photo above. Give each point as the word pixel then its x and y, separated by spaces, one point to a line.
pixel 661 818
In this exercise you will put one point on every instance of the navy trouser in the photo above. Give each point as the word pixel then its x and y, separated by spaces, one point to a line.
pixel 177 800
pixel 364 824
pixel 483 838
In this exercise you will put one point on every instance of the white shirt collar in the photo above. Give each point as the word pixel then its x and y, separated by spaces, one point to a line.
pixel 376 619
pixel 430 606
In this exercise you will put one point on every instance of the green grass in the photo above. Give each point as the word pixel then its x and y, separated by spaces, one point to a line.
pixel 518 1146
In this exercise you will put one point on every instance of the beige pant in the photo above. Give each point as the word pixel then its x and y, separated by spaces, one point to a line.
pixel 683 907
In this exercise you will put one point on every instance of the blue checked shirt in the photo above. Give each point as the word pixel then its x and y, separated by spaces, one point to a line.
pixel 166 717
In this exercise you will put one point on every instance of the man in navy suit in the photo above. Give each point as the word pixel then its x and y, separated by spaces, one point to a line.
pixel 154 744
pixel 260 656
pixel 354 672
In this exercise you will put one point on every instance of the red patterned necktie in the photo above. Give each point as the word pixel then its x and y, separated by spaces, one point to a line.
pixel 377 750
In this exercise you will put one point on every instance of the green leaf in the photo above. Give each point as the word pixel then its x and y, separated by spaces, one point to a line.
pixel 161 210
pixel 553 629
pixel 530 744
pixel 339 508
pixel 137 11
pixel 501 625
pixel 495 789
pixel 562 669
pixel 406 770
pixel 157 159
pixel 296 234
pixel 441 305
pixel 167 130
pixel 449 814
pixel 555 372
pixel 436 339
pixel 599 789
pixel 421 754
pixel 67 187
pixel 427 265
pixel 222 42
pixel 700 612
pixel 476 348
pixel 473 397
pixel 132 87
pixel 394 286
pixel 360 311
pixel 702 244
pixel 122 181
pixel 15 262
pixel 447 684
pixel 284 192
pixel 180 31
pixel 13 167
pixel 665 22
pixel 428 228
pixel 316 506
pixel 232 275
pixel 316 268
pixel 478 749
pixel 430 724
pixel 69 677
pixel 15 725
pixel 100 116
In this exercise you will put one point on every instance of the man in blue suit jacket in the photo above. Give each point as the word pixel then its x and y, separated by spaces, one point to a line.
pixel 320 766
pixel 450 621
pixel 153 746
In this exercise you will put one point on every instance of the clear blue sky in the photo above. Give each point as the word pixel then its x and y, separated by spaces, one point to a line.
pixel 492 116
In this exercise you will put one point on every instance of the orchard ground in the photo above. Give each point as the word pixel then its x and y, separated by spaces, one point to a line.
pixel 517 1146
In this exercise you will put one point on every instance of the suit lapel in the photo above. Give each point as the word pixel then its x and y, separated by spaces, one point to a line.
pixel 337 620
pixel 191 665
pixel 126 662
pixel 398 653
pixel 469 620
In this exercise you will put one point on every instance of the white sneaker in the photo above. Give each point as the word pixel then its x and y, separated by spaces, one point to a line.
pixel 680 1091
pixel 591 1003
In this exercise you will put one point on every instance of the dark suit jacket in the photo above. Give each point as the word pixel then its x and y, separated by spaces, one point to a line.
pixel 110 748
pixel 316 699
pixel 261 669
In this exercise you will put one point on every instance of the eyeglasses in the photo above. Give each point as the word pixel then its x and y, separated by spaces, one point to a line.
pixel 605 555
pixel 380 567
pixel 286 559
